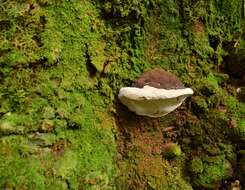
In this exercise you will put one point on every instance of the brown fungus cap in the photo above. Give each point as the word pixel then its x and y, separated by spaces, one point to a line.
pixel 158 78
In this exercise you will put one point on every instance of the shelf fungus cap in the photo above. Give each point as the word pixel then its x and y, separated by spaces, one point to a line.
pixel 154 94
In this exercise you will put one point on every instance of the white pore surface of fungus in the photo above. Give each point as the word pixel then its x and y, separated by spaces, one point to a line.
pixel 153 102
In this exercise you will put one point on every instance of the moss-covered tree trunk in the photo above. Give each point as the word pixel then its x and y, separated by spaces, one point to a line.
pixel 62 63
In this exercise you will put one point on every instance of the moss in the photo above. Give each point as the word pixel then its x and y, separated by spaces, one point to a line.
pixel 157 175
pixel 62 64
pixel 212 170
pixel 29 176
pixel 65 164
pixel 46 125
pixel 236 110
pixel 50 92
pixel 199 105
pixel 196 166
pixel 241 126
pixel 171 150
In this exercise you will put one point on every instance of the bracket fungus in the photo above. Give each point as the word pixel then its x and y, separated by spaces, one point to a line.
pixel 154 94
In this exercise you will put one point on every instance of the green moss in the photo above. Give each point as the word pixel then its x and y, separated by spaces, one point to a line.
pixel 62 64
pixel 212 170
pixel 241 126
pixel 235 108
pixel 237 111
pixel 229 151
pixel 160 174
pixel 199 105
pixel 66 165
pixel 25 170
pixel 207 86
pixel 28 175
pixel 50 91
pixel 197 166
pixel 171 150
pixel 89 147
